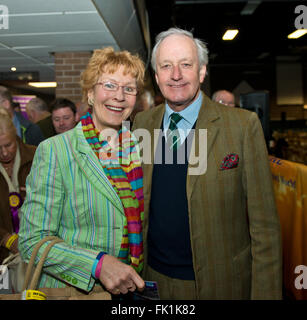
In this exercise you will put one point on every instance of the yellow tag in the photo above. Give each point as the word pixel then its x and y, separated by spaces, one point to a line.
pixel 14 200
pixel 34 295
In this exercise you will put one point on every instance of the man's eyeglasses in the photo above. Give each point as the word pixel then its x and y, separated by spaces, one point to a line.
pixel 112 86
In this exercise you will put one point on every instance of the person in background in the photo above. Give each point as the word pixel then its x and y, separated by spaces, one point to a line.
pixel 16 107
pixel 38 112
pixel 211 231
pixel 224 97
pixel 29 132
pixel 82 109
pixel 86 186
pixel 144 102
pixel 64 115
pixel 15 164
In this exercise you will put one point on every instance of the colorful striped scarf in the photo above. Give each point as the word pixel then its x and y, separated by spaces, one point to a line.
pixel 123 168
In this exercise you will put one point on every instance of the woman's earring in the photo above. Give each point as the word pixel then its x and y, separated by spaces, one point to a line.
pixel 90 102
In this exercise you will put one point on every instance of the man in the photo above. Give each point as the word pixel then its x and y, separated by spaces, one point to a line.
pixel 215 235
pixel 224 97
pixel 64 115
pixel 38 113
pixel 29 132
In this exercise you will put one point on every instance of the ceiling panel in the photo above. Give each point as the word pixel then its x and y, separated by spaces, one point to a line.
pixel 46 23
pixel 38 28
pixel 38 6
pixel 59 39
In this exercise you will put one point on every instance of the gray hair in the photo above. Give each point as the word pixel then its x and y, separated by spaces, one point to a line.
pixel 201 46
pixel 37 104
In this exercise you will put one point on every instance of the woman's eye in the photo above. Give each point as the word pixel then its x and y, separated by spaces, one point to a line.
pixel 110 85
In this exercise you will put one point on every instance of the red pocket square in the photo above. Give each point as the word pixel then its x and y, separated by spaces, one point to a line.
pixel 230 161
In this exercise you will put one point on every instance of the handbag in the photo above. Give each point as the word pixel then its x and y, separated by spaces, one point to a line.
pixel 67 293
pixel 17 270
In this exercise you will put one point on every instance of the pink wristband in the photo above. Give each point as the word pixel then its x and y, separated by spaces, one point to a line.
pixel 98 268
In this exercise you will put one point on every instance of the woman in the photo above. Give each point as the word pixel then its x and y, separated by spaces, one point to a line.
pixel 15 164
pixel 89 193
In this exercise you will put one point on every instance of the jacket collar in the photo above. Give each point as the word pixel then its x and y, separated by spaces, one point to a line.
pixel 91 167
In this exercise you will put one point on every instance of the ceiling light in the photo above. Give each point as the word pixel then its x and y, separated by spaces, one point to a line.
pixel 230 34
pixel 297 33
pixel 13 69
pixel 43 84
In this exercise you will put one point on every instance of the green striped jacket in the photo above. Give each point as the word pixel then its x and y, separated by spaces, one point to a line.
pixel 69 196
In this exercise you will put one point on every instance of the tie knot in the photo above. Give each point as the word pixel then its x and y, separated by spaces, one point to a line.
pixel 176 117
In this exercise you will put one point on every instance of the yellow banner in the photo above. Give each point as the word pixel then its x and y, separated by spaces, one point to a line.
pixel 290 187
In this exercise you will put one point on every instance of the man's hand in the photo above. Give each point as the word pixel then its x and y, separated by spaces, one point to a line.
pixel 118 277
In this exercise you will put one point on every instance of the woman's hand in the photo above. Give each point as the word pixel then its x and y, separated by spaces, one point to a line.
pixel 118 277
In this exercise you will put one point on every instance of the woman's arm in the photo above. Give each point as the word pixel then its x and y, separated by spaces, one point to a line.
pixel 41 216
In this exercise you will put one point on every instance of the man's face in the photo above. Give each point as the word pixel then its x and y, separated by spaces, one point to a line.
pixel 177 71
pixel 226 98
pixel 63 119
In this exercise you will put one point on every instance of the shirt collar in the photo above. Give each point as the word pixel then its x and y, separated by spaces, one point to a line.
pixel 190 113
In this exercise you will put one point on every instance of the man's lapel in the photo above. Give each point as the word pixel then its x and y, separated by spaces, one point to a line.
pixel 153 126
pixel 92 169
pixel 206 120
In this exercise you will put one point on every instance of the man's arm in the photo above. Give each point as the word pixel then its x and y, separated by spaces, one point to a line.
pixel 264 222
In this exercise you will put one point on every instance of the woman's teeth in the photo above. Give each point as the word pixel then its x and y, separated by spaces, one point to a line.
pixel 115 108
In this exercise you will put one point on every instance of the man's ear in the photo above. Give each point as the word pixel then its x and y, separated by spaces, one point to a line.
pixel 202 73
pixel 157 78
pixel 77 117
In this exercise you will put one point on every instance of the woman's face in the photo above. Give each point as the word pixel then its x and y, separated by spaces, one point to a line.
pixel 111 108
pixel 8 148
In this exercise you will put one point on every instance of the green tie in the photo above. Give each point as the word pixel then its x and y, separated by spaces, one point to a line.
pixel 172 130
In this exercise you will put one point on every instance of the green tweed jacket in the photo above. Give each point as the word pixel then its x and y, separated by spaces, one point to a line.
pixel 234 226
pixel 69 196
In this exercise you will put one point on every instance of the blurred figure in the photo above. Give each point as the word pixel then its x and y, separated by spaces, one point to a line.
pixel 224 97
pixel 29 132
pixel 159 99
pixel 144 102
pixel 15 164
pixel 82 108
pixel 16 107
pixel 64 115
pixel 38 112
